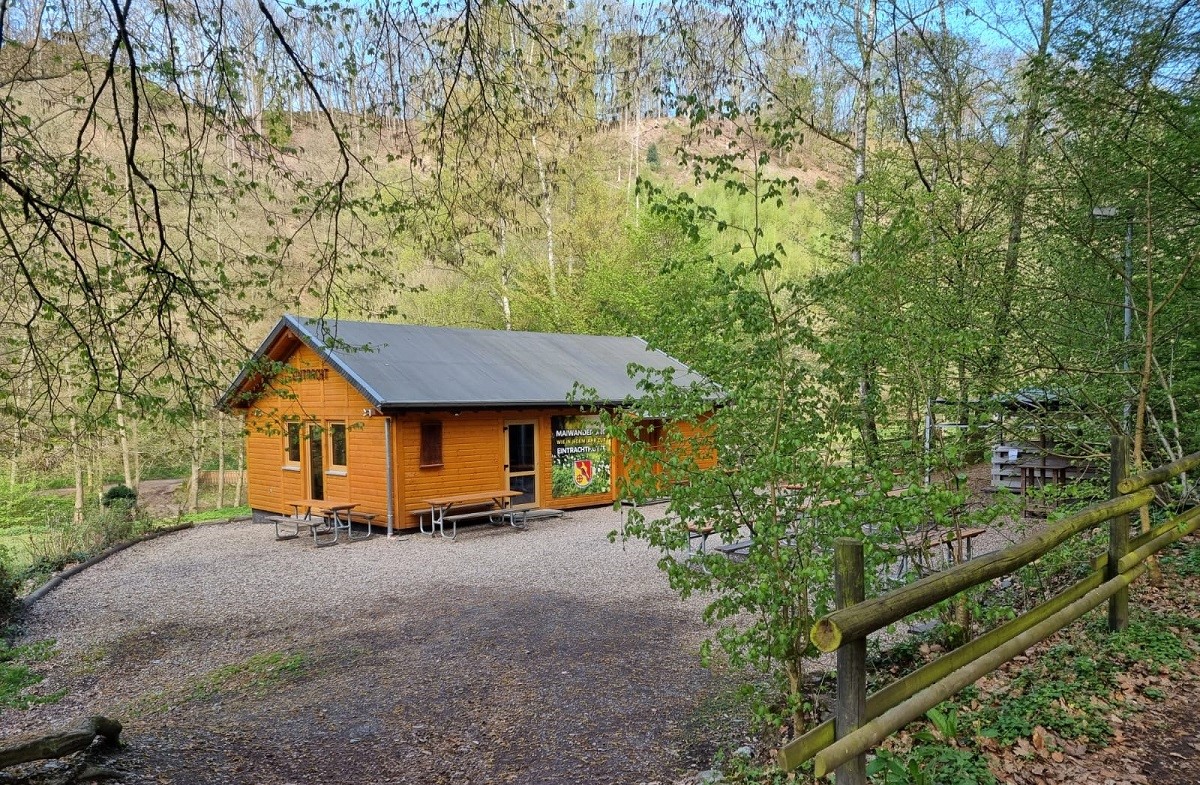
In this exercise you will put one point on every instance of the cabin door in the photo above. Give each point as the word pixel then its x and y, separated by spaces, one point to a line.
pixel 520 467
pixel 316 464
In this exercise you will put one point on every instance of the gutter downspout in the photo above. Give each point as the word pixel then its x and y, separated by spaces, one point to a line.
pixel 391 500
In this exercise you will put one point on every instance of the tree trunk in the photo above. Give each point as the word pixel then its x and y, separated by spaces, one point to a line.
pixel 240 487
pixel 1146 378
pixel 1002 322
pixel 13 460
pixel 123 432
pixel 137 457
pixel 220 460
pixel 864 30
pixel 636 163
pixel 77 460
pixel 64 741
pixel 193 500
pixel 505 274
pixel 546 208
pixel 89 466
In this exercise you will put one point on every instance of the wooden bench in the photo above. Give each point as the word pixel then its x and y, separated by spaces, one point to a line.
pixel 491 504
pixel 497 516
pixel 294 521
pixel 519 517
pixel 316 526
pixel 947 537
pixel 365 519
pixel 738 550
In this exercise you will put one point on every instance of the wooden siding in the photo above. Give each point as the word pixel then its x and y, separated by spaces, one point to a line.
pixel 473 458
pixel 319 396
pixel 684 436
pixel 473 449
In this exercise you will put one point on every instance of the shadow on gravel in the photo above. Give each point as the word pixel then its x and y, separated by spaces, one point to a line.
pixel 525 688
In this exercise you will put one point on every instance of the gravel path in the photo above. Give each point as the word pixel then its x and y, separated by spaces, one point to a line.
pixel 543 656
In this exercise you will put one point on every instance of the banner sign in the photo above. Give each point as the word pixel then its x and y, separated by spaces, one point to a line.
pixel 581 458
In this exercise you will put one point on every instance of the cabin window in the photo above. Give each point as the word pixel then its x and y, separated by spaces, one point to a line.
pixel 431 443
pixel 291 444
pixel 337 445
pixel 651 433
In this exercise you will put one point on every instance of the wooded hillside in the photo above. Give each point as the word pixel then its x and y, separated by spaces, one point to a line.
pixel 900 203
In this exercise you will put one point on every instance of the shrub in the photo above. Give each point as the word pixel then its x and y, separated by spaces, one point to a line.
pixel 652 156
pixel 8 587
pixel 119 495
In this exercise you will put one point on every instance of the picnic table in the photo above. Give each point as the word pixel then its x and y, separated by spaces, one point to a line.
pixel 333 517
pixel 1042 471
pixel 916 548
pixel 495 505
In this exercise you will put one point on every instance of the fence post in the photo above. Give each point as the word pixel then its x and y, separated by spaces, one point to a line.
pixel 851 657
pixel 1118 535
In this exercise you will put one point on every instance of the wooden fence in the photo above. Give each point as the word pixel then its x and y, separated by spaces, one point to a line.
pixel 861 722
pixel 232 476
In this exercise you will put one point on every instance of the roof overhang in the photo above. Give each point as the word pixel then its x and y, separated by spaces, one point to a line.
pixel 288 335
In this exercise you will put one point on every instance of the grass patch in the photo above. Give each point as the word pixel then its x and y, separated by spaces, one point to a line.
pixel 930 762
pixel 220 514
pixel 1064 691
pixel 16 677
pixel 254 677
pixel 1184 558
pixel 19 544
pixel 1073 687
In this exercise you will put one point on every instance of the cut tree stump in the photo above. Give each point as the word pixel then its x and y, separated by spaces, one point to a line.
pixel 71 738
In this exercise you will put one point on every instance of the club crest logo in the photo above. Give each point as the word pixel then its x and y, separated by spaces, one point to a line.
pixel 583 473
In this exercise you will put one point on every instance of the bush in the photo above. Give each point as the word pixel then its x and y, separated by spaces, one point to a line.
pixel 652 156
pixel 119 495
pixel 8 587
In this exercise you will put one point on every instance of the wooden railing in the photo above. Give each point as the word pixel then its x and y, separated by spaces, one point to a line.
pixel 861 722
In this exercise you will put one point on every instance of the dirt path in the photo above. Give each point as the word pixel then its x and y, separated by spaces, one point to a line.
pixel 157 497
pixel 545 656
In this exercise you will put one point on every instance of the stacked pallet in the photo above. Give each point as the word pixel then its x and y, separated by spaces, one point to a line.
pixel 1005 473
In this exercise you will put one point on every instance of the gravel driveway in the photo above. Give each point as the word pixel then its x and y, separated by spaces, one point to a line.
pixel 543 656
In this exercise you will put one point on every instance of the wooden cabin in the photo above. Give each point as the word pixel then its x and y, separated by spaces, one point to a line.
pixel 387 415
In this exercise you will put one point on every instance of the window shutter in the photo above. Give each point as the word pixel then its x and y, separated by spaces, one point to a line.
pixel 431 443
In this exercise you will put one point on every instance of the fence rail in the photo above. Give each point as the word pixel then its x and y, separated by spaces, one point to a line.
pixel 232 476
pixel 861 722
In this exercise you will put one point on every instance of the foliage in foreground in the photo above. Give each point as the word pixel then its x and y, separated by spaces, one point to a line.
pixel 16 677
pixel 768 456
pixel 1062 699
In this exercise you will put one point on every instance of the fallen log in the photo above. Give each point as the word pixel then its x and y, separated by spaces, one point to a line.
pixel 71 738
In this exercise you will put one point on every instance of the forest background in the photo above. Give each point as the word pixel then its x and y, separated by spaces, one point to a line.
pixel 847 214
pixel 952 189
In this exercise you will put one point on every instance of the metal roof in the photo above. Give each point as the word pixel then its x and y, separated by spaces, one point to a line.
pixel 403 366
